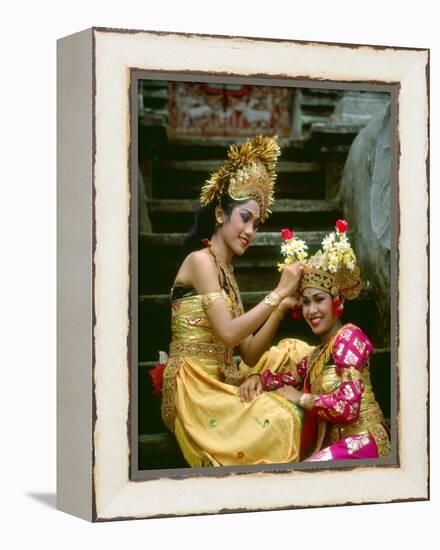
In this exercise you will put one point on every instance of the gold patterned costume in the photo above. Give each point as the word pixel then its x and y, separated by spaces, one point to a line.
pixel 200 403
pixel 343 419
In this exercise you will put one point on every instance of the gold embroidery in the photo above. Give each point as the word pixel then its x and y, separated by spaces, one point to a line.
pixel 168 407
pixel 382 440
pixel 366 420
pixel 232 374
pixel 195 321
pixel 226 278
pixel 318 363
pixel 351 375
pixel 322 428
pixel 209 299
pixel 213 351
pixel 307 400
pixel 317 278
pixel 370 421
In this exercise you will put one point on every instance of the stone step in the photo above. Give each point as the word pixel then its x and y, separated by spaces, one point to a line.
pixel 184 178
pixel 303 215
pixel 337 128
pixel 159 451
pixel 164 206
pixel 255 270
pixel 162 250
pixel 263 239
pixel 211 148
pixel 167 215
pixel 223 142
pixel 213 165
pixel 321 92
pixel 312 101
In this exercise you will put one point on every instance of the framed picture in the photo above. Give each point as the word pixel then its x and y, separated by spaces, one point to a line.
pixel 144 118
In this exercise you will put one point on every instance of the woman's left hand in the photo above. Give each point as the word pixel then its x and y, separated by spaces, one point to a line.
pixel 288 303
pixel 290 393
pixel 252 387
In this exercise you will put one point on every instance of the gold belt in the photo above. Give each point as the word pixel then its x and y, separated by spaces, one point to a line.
pixel 200 349
pixel 366 420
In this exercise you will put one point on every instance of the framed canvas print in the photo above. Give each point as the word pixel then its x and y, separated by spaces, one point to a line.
pixel 299 376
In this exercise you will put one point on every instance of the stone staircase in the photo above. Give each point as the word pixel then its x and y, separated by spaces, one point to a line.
pixel 173 172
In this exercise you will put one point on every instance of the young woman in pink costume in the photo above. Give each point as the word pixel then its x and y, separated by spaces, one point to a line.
pixel 332 384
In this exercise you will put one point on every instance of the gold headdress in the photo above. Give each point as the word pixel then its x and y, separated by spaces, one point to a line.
pixel 248 173
pixel 332 269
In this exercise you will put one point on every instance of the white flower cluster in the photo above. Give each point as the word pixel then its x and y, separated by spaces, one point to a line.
pixel 337 252
pixel 293 250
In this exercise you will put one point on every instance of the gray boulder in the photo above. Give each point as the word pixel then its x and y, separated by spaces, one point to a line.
pixel 365 194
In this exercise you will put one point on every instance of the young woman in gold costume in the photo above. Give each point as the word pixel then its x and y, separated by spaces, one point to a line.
pixel 215 408
pixel 332 383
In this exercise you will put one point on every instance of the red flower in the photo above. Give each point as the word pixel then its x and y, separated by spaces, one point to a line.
pixel 287 234
pixel 156 375
pixel 341 226
pixel 337 307
pixel 297 312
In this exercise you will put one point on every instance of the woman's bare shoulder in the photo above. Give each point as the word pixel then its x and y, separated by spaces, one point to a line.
pixel 201 260
pixel 198 265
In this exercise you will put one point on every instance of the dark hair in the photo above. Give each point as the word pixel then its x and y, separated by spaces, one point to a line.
pixel 204 224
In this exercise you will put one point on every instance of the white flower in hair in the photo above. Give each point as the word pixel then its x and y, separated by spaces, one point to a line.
pixel 293 249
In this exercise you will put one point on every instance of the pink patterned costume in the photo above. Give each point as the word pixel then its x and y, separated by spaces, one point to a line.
pixel 343 420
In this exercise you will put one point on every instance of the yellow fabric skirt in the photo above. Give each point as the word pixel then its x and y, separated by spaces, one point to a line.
pixel 214 428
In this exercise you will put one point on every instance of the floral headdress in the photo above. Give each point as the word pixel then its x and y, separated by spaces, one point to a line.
pixel 248 173
pixel 332 269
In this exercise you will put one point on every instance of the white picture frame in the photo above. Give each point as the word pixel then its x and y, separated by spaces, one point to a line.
pixel 94 391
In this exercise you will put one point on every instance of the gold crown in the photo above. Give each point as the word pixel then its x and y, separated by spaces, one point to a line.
pixel 248 173
pixel 344 282
pixel 333 269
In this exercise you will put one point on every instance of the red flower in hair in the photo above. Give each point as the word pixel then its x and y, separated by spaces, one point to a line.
pixel 206 242
pixel 341 226
pixel 338 307
pixel 287 234
pixel 297 312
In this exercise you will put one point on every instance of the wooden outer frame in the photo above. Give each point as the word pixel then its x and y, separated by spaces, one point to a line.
pixel 94 275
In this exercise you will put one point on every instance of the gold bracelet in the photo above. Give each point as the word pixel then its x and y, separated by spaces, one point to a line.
pixel 306 400
pixel 272 299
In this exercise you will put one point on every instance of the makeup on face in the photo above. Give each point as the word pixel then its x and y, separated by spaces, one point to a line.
pixel 240 229
pixel 318 311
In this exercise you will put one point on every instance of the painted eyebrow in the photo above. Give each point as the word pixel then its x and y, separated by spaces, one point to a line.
pixel 250 213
